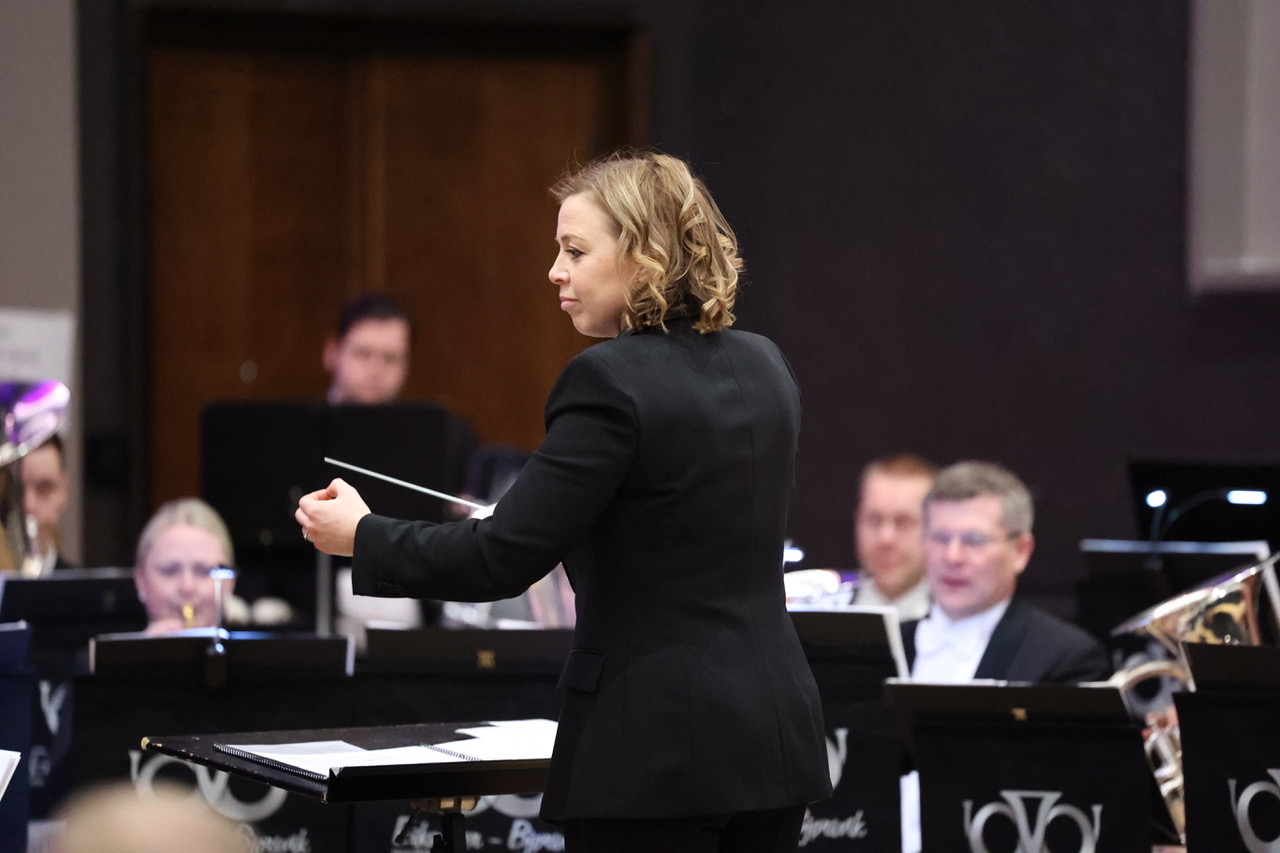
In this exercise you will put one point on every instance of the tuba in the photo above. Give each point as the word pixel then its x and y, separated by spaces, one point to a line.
pixel 30 413
pixel 1222 611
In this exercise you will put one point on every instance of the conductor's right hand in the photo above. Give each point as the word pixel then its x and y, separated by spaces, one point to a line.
pixel 329 517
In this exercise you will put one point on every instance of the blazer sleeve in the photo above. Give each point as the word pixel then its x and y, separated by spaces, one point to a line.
pixel 560 493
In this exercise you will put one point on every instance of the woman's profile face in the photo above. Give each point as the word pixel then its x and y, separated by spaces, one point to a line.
pixel 593 285
pixel 175 575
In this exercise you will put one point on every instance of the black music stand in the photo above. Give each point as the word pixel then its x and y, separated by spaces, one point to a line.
pixel 259 457
pixel 64 610
pixel 69 607
pixel 447 788
pixel 466 649
pixel 215 652
pixel 1011 761
pixel 142 685
pixel 851 651
pixel 432 674
pixel 1230 731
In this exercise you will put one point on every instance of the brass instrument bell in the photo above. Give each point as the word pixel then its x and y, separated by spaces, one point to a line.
pixel 30 414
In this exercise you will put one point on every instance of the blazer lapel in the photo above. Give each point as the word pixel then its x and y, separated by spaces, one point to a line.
pixel 908 630
pixel 1005 642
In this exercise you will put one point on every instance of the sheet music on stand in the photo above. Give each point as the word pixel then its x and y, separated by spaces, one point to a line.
pixel 430 760
pixel 8 764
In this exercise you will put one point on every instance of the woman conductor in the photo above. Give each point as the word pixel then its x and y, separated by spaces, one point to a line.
pixel 691 721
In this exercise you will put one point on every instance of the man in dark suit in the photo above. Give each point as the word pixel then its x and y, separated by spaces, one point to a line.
pixel 977 541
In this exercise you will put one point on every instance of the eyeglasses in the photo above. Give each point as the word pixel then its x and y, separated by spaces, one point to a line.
pixel 970 540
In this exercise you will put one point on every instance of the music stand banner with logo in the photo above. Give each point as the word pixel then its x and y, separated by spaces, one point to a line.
pixel 1231 768
pixel 851 653
pixel 1003 790
pixel 1018 768
pixel 113 714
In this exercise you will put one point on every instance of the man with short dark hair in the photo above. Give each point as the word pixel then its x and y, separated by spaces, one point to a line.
pixel 45 490
pixel 887 534
pixel 368 357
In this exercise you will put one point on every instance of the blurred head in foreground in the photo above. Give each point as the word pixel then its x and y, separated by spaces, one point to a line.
pixel 117 819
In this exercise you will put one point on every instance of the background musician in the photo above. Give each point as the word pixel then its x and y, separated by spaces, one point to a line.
pixel 179 548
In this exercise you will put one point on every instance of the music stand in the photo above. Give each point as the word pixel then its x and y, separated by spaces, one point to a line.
pixel 1024 759
pixel 448 787
pixel 69 607
pixel 17 700
pixel 465 650
pixel 407 676
pixel 259 457
pixel 1230 737
pixel 851 651
pixel 216 652
pixel 182 684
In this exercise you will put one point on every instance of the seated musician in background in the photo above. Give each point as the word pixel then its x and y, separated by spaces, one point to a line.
pixel 368 358
pixel 45 489
pixel 887 534
pixel 977 541
pixel 178 550
pixel 887 540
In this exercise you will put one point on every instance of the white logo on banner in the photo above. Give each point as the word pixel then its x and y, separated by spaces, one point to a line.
pixel 832 827
pixel 854 826
pixel 209 784
pixel 1248 835
pixel 837 752
pixel 52 698
pixel 1031 832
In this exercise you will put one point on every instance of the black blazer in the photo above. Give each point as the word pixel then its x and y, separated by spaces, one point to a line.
pixel 1032 645
pixel 662 484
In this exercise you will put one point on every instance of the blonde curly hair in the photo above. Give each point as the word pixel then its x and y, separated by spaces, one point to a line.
pixel 666 223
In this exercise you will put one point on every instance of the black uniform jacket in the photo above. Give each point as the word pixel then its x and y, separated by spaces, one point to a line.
pixel 662 484
pixel 1032 645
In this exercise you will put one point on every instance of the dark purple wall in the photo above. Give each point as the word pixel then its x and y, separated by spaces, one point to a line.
pixel 963 222
pixel 964 225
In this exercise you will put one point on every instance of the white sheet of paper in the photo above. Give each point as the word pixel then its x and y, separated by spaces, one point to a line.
pixel 8 764
pixel 322 756
pixel 506 740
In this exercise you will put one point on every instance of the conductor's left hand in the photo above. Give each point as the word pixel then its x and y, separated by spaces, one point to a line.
pixel 329 517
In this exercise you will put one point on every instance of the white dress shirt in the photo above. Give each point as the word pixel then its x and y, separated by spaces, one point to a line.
pixel 912 604
pixel 947 652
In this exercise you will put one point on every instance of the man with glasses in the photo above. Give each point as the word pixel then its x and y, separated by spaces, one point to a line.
pixel 977 541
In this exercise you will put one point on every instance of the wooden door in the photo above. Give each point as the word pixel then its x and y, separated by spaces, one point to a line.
pixel 282 181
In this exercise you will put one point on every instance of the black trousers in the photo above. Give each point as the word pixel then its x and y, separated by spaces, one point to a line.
pixel 768 831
